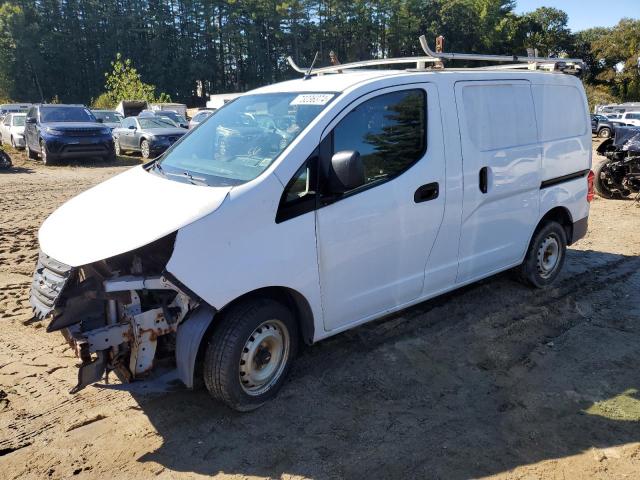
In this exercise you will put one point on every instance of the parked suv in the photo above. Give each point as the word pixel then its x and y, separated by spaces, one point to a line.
pixel 306 208
pixel 60 132
pixel 602 126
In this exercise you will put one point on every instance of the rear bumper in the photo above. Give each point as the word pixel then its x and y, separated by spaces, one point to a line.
pixel 579 230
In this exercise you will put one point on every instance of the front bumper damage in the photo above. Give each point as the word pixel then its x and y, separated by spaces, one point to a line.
pixel 113 322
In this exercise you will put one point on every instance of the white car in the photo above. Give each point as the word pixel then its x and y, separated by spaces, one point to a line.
pixel 630 118
pixel 12 130
pixel 309 207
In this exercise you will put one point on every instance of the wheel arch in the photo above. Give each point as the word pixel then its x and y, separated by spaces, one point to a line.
pixel 291 299
pixel 561 215
pixel 192 354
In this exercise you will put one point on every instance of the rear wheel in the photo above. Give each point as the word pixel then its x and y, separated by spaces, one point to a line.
pixel 44 154
pixel 605 132
pixel 30 153
pixel 249 353
pixel 545 257
pixel 145 148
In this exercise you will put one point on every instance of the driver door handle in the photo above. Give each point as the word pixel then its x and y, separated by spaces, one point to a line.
pixel 427 192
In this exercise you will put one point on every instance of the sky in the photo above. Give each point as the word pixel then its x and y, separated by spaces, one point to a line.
pixel 585 14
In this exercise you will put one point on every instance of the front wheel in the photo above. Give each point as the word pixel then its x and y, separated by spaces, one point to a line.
pixel 601 183
pixel 249 353
pixel 545 257
pixel 145 148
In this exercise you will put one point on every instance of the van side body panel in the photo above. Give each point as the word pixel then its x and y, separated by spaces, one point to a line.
pixel 240 248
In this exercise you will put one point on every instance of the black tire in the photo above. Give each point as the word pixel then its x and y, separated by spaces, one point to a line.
pixel 539 268
pixel 604 132
pixel 601 186
pixel 30 153
pixel 235 337
pixel 145 149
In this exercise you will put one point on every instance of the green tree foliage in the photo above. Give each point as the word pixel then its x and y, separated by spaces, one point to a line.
pixel 125 83
pixel 546 29
pixel 618 53
pixel 191 48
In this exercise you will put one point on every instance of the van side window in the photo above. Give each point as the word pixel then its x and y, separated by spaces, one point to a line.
pixel 299 195
pixel 388 131
pixel 551 101
pixel 499 116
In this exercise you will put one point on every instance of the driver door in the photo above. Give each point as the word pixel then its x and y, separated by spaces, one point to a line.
pixel 374 241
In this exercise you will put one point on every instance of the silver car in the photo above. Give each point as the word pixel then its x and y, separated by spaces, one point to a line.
pixel 149 135
pixel 12 130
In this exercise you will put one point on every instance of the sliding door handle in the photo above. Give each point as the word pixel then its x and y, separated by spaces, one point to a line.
pixel 427 192
pixel 483 178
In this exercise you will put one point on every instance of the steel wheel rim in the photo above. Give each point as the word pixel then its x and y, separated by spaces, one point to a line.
pixel 548 256
pixel 264 357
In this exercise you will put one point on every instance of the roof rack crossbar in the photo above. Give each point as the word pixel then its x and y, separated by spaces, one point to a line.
pixel 364 63
pixel 492 58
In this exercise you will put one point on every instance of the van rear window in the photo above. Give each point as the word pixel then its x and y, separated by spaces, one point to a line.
pixel 560 112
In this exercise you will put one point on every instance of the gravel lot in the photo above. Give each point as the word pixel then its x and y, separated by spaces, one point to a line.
pixel 495 380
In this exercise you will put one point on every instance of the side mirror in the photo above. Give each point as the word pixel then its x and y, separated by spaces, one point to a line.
pixel 30 120
pixel 347 171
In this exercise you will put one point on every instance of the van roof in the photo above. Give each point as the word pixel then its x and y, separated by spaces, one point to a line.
pixel 339 82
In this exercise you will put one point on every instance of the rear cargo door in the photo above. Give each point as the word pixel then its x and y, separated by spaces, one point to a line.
pixel 501 172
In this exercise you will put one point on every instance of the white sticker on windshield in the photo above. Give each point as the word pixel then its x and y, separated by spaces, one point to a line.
pixel 312 99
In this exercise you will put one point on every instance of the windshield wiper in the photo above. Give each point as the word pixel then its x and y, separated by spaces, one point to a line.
pixel 195 180
pixel 157 167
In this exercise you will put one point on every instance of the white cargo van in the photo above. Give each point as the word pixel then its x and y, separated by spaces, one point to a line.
pixel 309 207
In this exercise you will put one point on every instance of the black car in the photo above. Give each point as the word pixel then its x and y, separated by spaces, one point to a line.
pixel 150 135
pixel 60 132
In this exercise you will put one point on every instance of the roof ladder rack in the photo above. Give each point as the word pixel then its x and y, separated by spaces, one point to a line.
pixel 494 58
pixel 435 60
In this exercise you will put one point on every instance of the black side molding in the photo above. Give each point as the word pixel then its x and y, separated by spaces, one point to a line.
pixel 565 178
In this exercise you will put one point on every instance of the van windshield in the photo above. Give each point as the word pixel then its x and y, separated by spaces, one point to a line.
pixel 243 138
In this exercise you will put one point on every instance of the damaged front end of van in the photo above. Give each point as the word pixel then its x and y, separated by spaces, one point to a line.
pixel 119 314
pixel 101 277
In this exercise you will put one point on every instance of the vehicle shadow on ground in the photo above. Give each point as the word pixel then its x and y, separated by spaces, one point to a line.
pixel 120 161
pixel 473 383
pixel 16 169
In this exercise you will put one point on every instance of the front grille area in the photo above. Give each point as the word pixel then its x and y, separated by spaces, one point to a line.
pixel 49 281
pixel 89 148
pixel 82 132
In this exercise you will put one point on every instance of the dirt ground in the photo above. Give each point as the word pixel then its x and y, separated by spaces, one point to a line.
pixel 493 381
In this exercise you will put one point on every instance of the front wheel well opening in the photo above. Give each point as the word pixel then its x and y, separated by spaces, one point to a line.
pixel 290 298
pixel 560 215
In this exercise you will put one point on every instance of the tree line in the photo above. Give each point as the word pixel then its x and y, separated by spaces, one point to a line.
pixel 187 49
